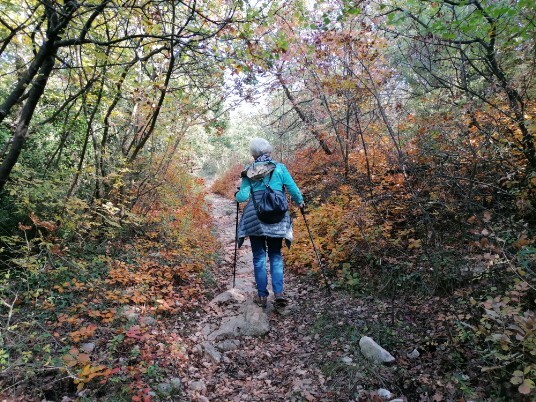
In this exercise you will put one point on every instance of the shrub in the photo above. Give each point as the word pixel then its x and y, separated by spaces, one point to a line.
pixel 225 185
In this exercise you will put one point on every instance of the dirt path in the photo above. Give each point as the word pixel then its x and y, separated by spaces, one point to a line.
pixel 274 367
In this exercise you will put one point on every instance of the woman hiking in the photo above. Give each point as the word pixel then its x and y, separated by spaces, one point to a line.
pixel 266 236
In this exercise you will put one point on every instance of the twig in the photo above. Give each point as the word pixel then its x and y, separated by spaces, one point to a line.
pixel 10 306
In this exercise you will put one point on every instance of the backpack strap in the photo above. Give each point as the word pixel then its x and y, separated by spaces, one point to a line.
pixel 267 185
pixel 269 178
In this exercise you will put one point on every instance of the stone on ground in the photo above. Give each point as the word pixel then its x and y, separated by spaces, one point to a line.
pixel 198 386
pixel 169 388
pixel 347 360
pixel 88 347
pixel 384 393
pixel 211 353
pixel 231 295
pixel 228 345
pixel 414 354
pixel 253 321
pixel 374 352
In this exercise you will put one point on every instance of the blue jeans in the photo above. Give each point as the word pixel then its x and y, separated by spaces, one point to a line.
pixel 258 247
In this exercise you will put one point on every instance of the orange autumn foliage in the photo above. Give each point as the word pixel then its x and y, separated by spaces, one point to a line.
pixel 225 184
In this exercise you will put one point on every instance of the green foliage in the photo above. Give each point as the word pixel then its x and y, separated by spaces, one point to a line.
pixel 349 279
pixel 507 325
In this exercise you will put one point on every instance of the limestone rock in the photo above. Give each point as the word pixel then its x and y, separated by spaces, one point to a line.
pixel 229 296
pixel 197 350
pixel 374 352
pixel 228 345
pixel 198 386
pixel 207 329
pixel 257 320
pixel 87 347
pixel 211 353
pixel 252 322
pixel 169 388
pixel 414 354
pixel 347 360
pixel 384 393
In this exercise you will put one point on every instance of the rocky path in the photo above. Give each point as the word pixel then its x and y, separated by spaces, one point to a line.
pixel 242 352
pixel 315 350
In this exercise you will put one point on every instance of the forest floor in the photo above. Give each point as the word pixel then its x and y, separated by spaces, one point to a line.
pixel 310 352
pixel 108 336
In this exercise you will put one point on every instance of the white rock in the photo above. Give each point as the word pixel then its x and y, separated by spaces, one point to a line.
pixel 384 393
pixel 231 295
pixel 211 353
pixel 347 359
pixel 88 347
pixel 397 400
pixel 198 386
pixel 374 352
pixel 197 349
pixel 413 354
pixel 207 329
pixel 228 345
pixel 252 322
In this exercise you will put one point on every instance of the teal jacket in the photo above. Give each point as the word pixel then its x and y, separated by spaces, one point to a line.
pixel 280 177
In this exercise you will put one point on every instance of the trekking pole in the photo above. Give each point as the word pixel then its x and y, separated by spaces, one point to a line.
pixel 302 209
pixel 235 244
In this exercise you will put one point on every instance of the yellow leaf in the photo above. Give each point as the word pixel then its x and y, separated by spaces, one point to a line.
pixel 86 370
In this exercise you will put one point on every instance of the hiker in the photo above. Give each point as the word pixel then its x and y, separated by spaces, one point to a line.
pixel 264 236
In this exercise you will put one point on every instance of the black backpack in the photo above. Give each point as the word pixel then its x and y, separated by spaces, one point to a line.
pixel 272 206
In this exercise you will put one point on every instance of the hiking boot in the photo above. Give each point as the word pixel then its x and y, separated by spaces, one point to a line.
pixel 280 300
pixel 261 301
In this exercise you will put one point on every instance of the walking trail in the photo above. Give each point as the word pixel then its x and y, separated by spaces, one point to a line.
pixel 246 353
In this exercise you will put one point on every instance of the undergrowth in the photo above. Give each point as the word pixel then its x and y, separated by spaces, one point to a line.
pixel 226 184
pixel 86 312
pixel 450 276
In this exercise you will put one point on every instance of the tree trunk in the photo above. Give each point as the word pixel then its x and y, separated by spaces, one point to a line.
pixel 42 55
pixel 42 65
pixel 302 116
pixel 26 114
